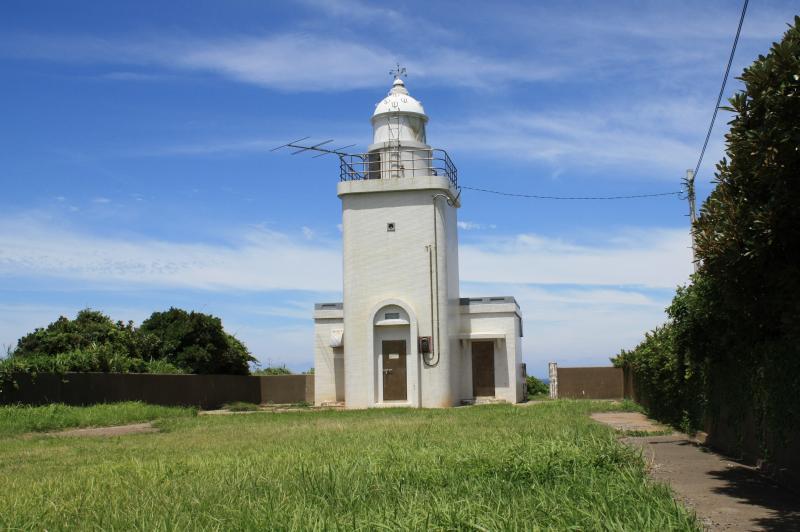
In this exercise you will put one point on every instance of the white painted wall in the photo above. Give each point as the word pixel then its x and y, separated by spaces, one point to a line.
pixel 498 323
pixel 382 267
pixel 328 361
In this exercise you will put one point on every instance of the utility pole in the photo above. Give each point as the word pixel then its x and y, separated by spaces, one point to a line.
pixel 689 182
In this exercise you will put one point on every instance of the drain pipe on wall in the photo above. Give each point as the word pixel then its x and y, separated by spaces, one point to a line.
pixel 435 279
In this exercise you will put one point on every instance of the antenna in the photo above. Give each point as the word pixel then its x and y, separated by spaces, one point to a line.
pixel 301 147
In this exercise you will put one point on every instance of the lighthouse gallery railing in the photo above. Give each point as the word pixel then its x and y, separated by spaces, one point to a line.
pixel 397 163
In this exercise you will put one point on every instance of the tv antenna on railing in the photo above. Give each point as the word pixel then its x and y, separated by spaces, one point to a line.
pixel 300 148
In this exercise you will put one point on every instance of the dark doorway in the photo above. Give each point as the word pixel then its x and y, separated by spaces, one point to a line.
pixel 394 370
pixel 483 369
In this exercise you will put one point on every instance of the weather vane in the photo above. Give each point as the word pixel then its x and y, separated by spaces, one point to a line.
pixel 398 72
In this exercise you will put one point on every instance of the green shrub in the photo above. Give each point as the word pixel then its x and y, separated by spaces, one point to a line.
pixel 195 342
pixel 162 367
pixel 536 387
pixel 273 370
pixel 175 341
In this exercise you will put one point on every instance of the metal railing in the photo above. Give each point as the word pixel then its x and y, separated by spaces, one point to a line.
pixel 397 163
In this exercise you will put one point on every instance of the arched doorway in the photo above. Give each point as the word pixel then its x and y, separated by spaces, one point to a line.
pixel 394 363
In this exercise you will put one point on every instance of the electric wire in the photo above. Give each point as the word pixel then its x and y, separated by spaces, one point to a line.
pixel 722 88
pixel 537 196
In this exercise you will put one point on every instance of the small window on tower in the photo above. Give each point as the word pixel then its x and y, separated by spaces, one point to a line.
pixel 392 316
pixel 390 227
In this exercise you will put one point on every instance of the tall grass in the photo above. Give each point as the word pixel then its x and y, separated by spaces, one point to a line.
pixel 21 419
pixel 499 467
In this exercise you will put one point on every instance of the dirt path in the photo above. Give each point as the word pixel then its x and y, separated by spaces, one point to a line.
pixel 120 430
pixel 725 494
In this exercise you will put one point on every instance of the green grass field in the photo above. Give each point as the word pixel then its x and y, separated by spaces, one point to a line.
pixel 499 467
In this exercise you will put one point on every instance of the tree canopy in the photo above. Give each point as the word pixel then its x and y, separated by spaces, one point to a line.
pixel 174 341
pixel 733 335
pixel 195 342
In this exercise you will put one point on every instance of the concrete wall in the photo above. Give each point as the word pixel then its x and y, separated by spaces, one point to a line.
pixel 498 323
pixel 204 391
pixel 495 323
pixel 591 383
pixel 328 361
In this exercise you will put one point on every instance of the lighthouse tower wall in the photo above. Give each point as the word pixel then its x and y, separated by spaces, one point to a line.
pixel 398 256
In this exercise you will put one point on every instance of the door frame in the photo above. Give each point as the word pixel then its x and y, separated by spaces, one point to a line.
pixel 375 363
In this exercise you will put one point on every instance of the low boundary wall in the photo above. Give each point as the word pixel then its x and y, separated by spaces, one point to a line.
pixel 590 383
pixel 204 391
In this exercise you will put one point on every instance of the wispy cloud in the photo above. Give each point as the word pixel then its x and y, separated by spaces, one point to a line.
pixel 255 260
pixel 652 258
pixel 578 325
pixel 287 61
pixel 641 137
pixel 580 301
pixel 473 226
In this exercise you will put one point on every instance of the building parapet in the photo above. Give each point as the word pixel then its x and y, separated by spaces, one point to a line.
pixel 323 311
pixel 493 300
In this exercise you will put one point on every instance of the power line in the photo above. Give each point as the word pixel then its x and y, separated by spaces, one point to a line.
pixel 699 160
pixel 536 196
pixel 722 88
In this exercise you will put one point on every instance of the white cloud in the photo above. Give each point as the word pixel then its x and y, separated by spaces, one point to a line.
pixel 298 61
pixel 633 138
pixel 578 325
pixel 572 297
pixel 473 226
pixel 308 233
pixel 654 258
pixel 101 200
pixel 292 345
pixel 255 260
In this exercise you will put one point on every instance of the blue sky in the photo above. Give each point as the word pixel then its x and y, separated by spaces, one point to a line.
pixel 136 172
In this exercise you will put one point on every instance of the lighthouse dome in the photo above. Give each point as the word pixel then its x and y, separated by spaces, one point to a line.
pixel 399 118
pixel 398 100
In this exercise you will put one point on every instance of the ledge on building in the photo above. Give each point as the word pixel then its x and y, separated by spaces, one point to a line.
pixel 328 311
pixel 474 305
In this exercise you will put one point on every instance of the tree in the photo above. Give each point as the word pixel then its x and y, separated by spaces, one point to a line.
pixel 732 340
pixel 195 342
pixel 748 232
pixel 89 328
pixel 748 239
pixel 174 341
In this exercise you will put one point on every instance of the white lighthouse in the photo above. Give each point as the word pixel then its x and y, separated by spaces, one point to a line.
pixel 403 336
